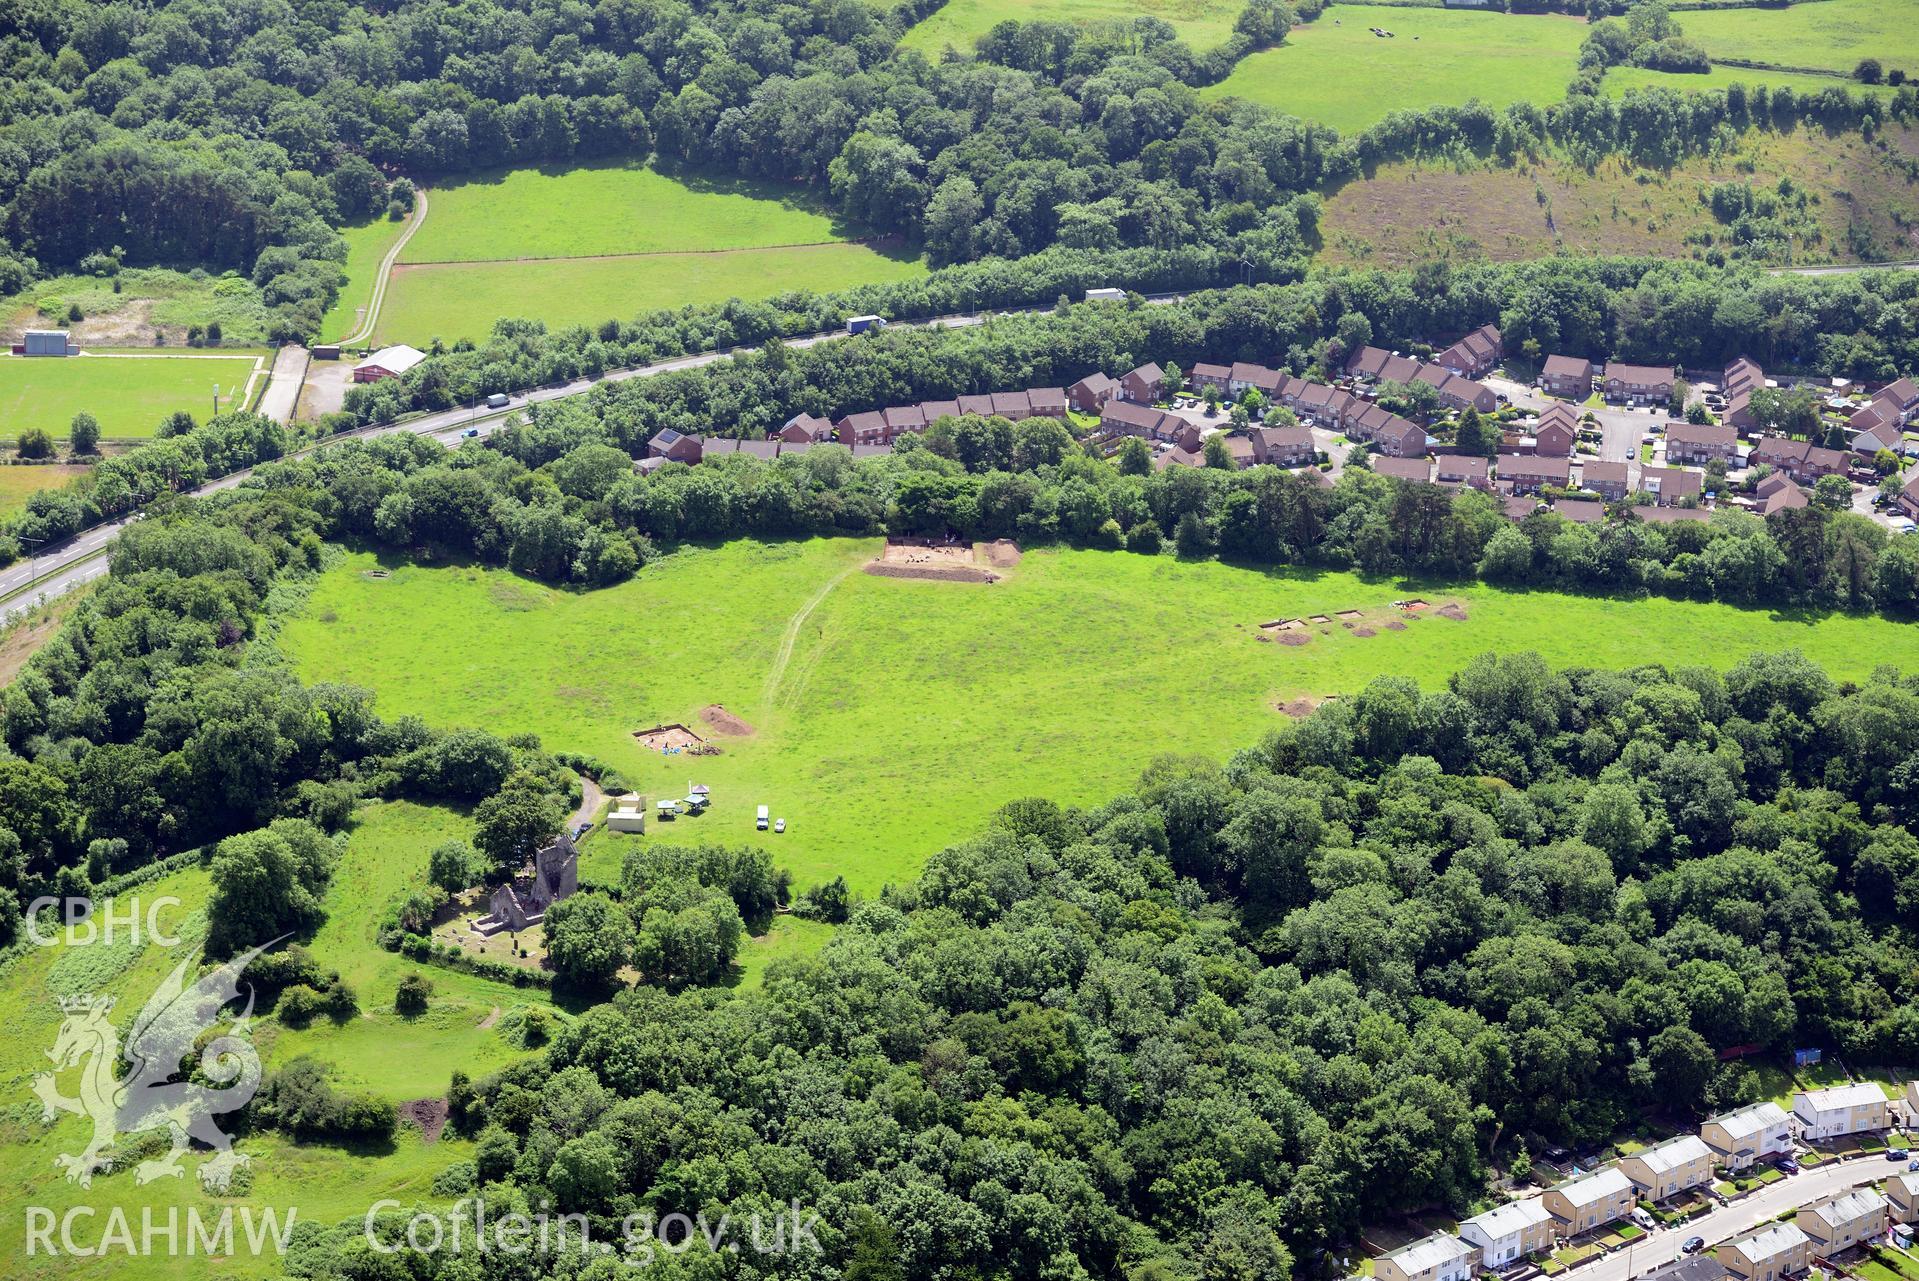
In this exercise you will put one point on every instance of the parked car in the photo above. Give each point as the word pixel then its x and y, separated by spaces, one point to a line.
pixel 1787 1165
pixel 1913 1164
pixel 1692 1245
pixel 779 825
pixel 1896 1154
pixel 759 819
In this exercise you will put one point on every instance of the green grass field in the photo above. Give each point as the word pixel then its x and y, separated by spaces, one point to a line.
pixel 1832 35
pixel 611 209
pixel 149 300
pixel 366 244
pixel 17 484
pixel 958 24
pixel 1336 71
pixel 463 300
pixel 1620 79
pixel 129 395
pixel 894 715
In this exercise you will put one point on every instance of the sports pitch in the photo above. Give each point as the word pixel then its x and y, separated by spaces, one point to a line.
pixel 129 393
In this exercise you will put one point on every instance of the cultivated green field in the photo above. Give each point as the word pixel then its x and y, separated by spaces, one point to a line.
pixel 1620 79
pixel 610 209
pixel 1336 71
pixel 958 24
pixel 366 244
pixel 893 715
pixel 17 484
pixel 1831 35
pixel 463 300
pixel 128 394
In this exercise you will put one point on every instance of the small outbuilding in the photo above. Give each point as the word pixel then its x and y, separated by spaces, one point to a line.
pixel 388 362
pixel 47 342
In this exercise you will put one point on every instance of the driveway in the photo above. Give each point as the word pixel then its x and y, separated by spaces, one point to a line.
pixel 283 384
pixel 1661 1247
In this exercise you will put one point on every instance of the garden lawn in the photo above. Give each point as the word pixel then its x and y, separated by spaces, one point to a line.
pixel 958 24
pixel 462 300
pixel 129 395
pixel 611 209
pixel 1336 71
pixel 366 244
pixel 894 715
pixel 17 484
pixel 1831 35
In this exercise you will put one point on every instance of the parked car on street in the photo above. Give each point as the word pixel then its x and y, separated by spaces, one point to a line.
pixel 1692 1245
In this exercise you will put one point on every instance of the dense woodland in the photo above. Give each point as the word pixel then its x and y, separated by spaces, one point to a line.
pixel 237 135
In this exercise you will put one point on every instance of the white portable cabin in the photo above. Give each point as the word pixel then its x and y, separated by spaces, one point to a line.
pixel 760 819
pixel 1105 295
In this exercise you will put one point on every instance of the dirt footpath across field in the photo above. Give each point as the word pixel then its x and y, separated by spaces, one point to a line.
pixel 724 722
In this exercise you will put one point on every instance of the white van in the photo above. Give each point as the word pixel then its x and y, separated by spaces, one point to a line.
pixel 760 819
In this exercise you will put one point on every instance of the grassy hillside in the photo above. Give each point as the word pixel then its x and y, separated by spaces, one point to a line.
pixel 1335 70
pixel 891 715
pixel 610 209
pixel 959 23
pixel 463 300
pixel 1621 79
pixel 149 300
pixel 1410 210
pixel 1831 35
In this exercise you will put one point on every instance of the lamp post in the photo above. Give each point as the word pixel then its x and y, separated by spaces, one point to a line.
pixel 33 560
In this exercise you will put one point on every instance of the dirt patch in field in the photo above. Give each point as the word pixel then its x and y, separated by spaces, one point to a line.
pixel 1453 610
pixel 1364 632
pixel 1003 554
pixel 1298 708
pixel 672 739
pixel 1393 625
pixel 939 562
pixel 725 722
pixel 1295 638
pixel 428 1114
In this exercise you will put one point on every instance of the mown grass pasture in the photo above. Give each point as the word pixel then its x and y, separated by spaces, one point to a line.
pixel 462 300
pixel 1336 71
pixel 891 716
pixel 1830 35
pixel 17 484
pixel 129 394
pixel 960 23
pixel 366 244
pixel 590 210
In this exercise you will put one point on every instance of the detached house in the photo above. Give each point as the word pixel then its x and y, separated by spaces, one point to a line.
pixel 674 447
pixel 1509 1233
pixel 1090 394
pixel 1840 1110
pixel 1637 384
pixel 1671 486
pixel 1590 1201
pixel 1781 1250
pixel 1669 1168
pixel 1841 1222
pixel 1474 355
pixel 1439 1257
pixel 1568 376
pixel 1700 444
pixel 1283 446
pixel 1746 1135
pixel 1144 385
pixel 1556 433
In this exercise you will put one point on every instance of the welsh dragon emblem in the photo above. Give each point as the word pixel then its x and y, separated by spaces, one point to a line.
pixel 148 1097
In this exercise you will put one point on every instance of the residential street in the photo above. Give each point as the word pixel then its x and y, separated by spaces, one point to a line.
pixel 1622 429
pixel 1741 1216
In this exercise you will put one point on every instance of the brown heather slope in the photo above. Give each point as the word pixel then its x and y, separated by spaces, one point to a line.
pixel 1408 211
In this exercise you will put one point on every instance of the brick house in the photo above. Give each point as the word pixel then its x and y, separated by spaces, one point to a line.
pixel 1637 384
pixel 1700 443
pixel 1524 474
pixel 1464 469
pixel 1090 394
pixel 1608 480
pixel 1124 418
pixel 1874 431
pixel 1367 422
pixel 1209 375
pixel 1804 461
pixel 1401 439
pixel 1742 378
pixel 934 410
pixel 805 429
pixel 867 428
pixel 901 419
pixel 1902 397
pixel 1144 385
pixel 976 406
pixel 1568 376
pixel 1375 364
pixel 1283 446
pixel 1671 486
pixel 674 447
pixel 1474 355
pixel 1403 468
pixel 1908 499
pixel 1047 402
pixel 1012 405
